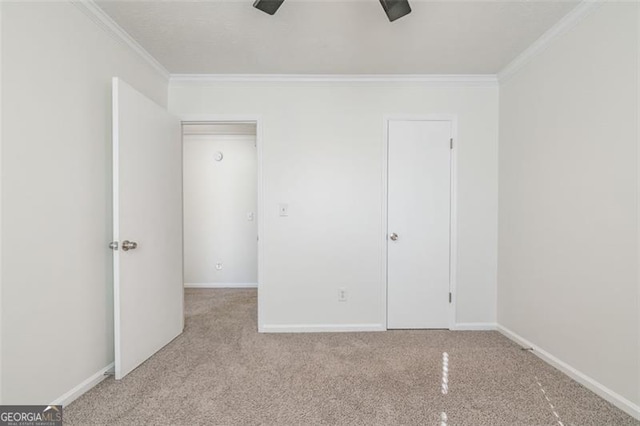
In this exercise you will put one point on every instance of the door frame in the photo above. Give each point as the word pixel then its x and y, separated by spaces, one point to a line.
pixel 242 118
pixel 453 213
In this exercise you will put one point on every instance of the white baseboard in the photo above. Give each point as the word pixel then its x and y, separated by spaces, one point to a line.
pixel 591 384
pixel 220 285
pixel 319 328
pixel 462 326
pixel 337 328
pixel 83 387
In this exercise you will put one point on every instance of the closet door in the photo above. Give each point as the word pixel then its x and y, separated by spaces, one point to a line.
pixel 419 205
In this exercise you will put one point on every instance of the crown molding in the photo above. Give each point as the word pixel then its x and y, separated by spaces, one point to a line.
pixel 434 79
pixel 95 13
pixel 582 10
pixel 99 16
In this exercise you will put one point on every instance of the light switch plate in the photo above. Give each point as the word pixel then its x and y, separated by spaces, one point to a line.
pixel 283 209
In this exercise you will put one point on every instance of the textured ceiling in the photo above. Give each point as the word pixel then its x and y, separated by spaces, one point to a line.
pixel 335 37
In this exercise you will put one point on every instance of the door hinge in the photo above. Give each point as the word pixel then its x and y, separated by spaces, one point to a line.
pixel 449 297
pixel 113 245
pixel 451 143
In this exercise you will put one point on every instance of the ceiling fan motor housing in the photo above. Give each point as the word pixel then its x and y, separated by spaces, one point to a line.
pixel 394 9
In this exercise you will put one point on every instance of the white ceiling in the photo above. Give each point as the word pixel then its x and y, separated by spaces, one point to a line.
pixel 335 37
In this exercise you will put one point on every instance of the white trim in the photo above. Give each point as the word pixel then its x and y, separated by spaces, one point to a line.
pixel 453 213
pixel 483 80
pixel 83 387
pixel 1 257
pixel 385 222
pixel 220 285
pixel 321 328
pixel 453 224
pixel 115 173
pixel 584 8
pixel 254 118
pixel 637 206
pixel 477 326
pixel 588 382
pixel 221 118
pixel 261 220
pixel 104 21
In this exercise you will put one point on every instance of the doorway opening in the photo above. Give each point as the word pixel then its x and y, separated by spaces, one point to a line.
pixel 220 200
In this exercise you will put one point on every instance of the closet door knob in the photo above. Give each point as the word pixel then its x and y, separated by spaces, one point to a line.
pixel 129 245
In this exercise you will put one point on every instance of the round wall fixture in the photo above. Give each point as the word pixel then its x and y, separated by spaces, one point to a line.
pixel 218 156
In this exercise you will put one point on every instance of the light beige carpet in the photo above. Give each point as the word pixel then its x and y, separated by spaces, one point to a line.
pixel 220 371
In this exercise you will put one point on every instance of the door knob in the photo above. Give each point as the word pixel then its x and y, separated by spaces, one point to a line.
pixel 393 236
pixel 129 245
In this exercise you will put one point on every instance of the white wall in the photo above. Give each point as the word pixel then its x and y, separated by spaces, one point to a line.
pixel 568 236
pixel 57 320
pixel 220 210
pixel 322 154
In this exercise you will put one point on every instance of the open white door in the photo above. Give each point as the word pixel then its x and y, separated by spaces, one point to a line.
pixel 147 227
